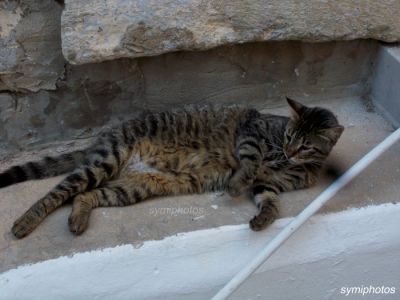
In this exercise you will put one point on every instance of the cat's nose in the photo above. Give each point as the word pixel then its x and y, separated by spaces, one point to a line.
pixel 290 152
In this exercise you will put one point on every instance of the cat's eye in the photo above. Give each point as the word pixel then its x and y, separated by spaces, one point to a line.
pixel 304 148
pixel 309 148
pixel 287 136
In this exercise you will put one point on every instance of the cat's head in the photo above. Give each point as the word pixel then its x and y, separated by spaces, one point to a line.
pixel 310 134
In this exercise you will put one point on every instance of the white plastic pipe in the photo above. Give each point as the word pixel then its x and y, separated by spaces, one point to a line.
pixel 311 209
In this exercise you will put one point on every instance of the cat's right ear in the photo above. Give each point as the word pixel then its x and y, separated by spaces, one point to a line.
pixel 295 107
pixel 332 134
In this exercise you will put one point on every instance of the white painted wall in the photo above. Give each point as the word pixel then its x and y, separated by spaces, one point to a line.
pixel 350 248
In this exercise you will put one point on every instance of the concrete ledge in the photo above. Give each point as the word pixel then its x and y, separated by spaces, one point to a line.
pixel 386 83
pixel 326 254
pixel 159 218
pixel 94 31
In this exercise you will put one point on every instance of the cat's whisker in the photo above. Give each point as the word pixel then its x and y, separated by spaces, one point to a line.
pixel 315 163
pixel 274 145
pixel 274 162
pixel 278 138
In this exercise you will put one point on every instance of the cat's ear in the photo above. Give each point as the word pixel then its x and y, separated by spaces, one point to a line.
pixel 332 134
pixel 296 108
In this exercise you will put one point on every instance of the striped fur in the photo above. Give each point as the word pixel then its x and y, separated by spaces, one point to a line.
pixel 193 150
pixel 45 168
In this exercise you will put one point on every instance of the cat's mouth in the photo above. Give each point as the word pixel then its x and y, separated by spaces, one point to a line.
pixel 294 159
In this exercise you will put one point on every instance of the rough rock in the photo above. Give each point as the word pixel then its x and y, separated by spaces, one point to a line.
pixel 94 31
pixel 30 46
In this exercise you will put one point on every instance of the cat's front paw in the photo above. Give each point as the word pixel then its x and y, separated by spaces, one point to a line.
pixel 234 191
pixel 262 220
pixel 78 222
pixel 236 187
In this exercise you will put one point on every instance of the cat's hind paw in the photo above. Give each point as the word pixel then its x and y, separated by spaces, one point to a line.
pixel 24 225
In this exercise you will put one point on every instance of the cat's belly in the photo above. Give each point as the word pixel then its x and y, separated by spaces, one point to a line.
pixel 211 174
pixel 136 164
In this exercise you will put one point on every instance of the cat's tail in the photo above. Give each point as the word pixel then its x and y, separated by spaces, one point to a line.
pixel 47 167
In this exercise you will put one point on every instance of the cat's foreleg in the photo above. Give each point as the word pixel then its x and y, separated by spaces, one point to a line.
pixel 249 154
pixel 265 192
pixel 243 178
pixel 267 201
pixel 129 190
pixel 248 151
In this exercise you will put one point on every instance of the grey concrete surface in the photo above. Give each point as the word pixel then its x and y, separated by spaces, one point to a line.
pixel 92 95
pixel 385 90
pixel 158 218
pixel 94 31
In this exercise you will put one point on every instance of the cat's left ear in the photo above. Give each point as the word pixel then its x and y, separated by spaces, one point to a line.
pixel 333 134
pixel 296 108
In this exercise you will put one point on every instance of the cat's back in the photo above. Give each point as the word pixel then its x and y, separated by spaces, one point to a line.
pixel 212 115
pixel 204 122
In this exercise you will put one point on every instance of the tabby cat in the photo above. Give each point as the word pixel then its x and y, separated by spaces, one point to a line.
pixel 195 149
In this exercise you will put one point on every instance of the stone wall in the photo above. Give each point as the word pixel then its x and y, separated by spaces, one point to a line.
pixel 30 45
pixel 260 74
pixel 46 98
pixel 95 30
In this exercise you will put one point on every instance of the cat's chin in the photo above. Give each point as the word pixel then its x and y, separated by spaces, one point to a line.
pixel 295 161
pixel 299 161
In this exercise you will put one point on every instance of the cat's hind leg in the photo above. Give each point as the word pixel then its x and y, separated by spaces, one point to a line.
pixel 131 189
pixel 82 179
